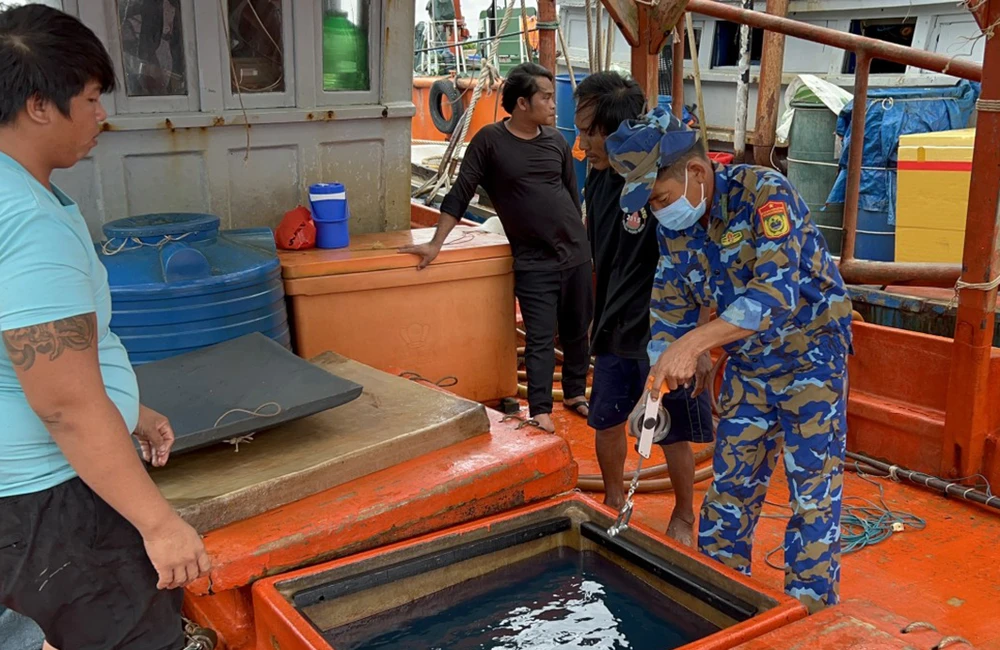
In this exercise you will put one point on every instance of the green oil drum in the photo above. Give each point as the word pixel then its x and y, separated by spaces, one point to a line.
pixel 812 167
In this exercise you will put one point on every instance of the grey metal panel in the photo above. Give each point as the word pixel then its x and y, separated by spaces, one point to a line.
pixel 203 169
pixel 169 181
pixel 261 192
pixel 82 183
pixel 358 165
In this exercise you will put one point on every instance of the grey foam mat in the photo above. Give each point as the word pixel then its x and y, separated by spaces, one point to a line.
pixel 195 389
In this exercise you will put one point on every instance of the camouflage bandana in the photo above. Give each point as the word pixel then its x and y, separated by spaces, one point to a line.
pixel 639 149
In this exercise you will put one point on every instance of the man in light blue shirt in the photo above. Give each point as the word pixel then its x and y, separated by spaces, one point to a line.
pixel 89 548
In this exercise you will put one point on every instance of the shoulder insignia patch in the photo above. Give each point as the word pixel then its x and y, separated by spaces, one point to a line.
pixel 774 219
pixel 731 238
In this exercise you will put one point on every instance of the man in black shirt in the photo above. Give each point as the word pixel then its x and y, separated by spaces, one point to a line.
pixel 526 167
pixel 626 253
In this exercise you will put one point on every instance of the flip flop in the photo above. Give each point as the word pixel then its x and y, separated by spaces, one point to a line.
pixel 577 407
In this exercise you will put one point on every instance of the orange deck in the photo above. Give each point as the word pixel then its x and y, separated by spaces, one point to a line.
pixel 946 574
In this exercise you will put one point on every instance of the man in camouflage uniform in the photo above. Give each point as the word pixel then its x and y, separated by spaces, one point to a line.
pixel 740 238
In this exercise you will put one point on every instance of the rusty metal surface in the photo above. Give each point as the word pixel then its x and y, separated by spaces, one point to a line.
pixel 772 63
pixel 857 271
pixel 625 14
pixel 546 37
pixel 665 16
pixel 967 424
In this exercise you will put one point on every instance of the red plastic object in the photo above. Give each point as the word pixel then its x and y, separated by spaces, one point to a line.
pixel 721 157
pixel 296 231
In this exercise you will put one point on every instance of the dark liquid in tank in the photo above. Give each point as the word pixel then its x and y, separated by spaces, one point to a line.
pixel 558 599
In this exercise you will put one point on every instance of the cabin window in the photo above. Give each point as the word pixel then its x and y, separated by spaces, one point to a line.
pixel 152 47
pixel 727 45
pixel 891 30
pixel 257 54
pixel 345 45
pixel 256 50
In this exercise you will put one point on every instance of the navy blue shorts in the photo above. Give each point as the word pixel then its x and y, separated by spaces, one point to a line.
pixel 617 388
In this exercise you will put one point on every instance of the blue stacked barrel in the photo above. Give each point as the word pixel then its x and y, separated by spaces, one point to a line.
pixel 566 121
pixel 178 284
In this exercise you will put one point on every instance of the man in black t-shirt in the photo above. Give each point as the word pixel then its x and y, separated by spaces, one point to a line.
pixel 526 168
pixel 626 253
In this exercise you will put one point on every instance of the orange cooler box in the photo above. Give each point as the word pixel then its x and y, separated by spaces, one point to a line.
pixel 368 302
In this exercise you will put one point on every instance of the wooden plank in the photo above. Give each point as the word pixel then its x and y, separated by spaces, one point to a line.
pixel 393 421
pixel 663 18
pixel 645 67
pixel 625 13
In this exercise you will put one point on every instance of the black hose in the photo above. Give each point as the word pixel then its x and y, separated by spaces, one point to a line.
pixel 946 487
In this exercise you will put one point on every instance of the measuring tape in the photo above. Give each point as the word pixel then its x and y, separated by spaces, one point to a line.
pixel 652 422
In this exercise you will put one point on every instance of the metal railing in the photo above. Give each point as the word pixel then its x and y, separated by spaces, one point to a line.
pixel 865 49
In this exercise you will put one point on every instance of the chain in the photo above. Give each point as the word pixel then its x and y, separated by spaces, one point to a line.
pixel 625 513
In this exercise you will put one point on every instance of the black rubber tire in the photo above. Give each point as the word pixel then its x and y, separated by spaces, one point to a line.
pixel 444 89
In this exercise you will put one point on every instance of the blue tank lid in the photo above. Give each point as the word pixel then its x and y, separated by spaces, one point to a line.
pixel 167 224
pixel 183 254
pixel 179 283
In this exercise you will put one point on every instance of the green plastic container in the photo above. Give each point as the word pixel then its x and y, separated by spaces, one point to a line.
pixel 812 167
pixel 509 52
pixel 345 54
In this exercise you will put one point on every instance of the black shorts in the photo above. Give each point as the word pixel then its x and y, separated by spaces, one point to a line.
pixel 618 386
pixel 76 567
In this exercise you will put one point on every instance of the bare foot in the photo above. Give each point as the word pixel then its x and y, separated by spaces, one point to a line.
pixel 544 421
pixel 614 502
pixel 680 530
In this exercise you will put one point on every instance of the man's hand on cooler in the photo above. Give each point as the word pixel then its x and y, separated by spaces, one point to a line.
pixel 427 252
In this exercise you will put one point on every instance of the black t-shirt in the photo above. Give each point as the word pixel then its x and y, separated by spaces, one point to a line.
pixel 532 185
pixel 625 255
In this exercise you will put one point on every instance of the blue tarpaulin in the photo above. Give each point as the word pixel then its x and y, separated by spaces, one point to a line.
pixel 893 112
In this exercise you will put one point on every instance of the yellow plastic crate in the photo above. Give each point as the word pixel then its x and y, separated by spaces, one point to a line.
pixel 932 195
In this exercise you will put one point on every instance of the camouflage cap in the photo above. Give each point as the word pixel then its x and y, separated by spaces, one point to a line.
pixel 639 149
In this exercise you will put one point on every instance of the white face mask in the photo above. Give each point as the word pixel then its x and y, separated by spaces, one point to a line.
pixel 681 215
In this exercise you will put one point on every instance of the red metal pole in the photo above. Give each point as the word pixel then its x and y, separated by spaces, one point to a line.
pixel 967 419
pixel 855 271
pixel 772 64
pixel 855 156
pixel 645 66
pixel 547 37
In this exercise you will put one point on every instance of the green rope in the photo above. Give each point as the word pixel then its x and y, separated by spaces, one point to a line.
pixel 548 26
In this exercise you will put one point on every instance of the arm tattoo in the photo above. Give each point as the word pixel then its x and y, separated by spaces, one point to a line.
pixel 25 344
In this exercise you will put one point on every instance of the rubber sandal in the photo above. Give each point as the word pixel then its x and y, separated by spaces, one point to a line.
pixel 577 407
